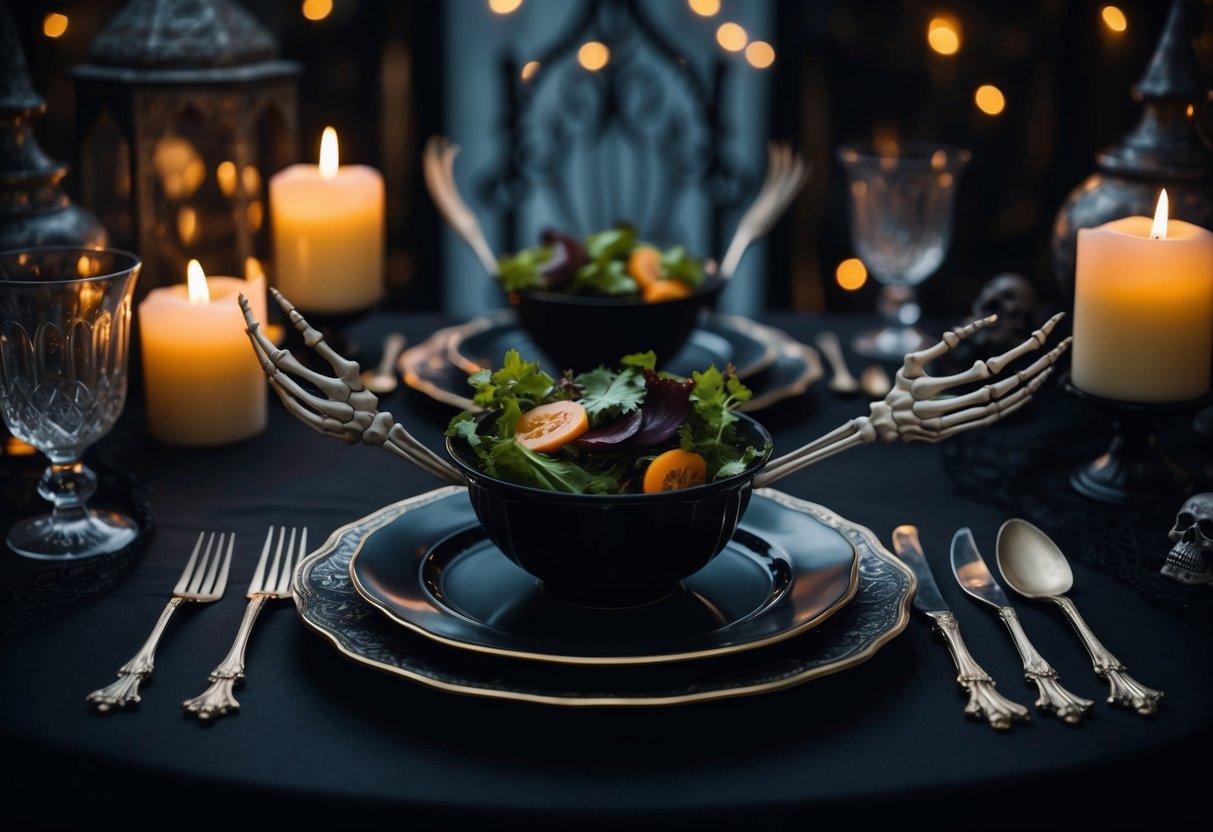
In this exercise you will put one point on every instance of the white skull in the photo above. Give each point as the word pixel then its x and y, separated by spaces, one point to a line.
pixel 1190 560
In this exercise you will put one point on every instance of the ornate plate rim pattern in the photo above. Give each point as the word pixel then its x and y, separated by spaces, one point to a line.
pixel 440 345
pixel 899 602
pixel 768 608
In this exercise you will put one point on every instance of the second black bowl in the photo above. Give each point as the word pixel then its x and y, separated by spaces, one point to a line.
pixel 581 332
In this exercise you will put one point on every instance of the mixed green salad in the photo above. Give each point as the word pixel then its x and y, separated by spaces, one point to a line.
pixel 611 263
pixel 607 431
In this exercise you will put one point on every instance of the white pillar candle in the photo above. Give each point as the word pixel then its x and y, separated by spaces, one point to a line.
pixel 1143 309
pixel 202 381
pixel 328 228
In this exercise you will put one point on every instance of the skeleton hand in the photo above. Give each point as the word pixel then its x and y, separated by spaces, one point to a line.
pixel 918 406
pixel 346 409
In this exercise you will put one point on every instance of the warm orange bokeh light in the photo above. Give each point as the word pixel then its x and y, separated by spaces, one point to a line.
pixel 529 69
pixel 851 274
pixel 943 35
pixel 760 54
pixel 504 6
pixel 317 9
pixel 1114 18
pixel 990 99
pixel 732 37
pixel 54 25
pixel 704 8
pixel 594 55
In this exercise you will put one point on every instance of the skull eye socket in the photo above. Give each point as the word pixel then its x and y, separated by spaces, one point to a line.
pixel 1206 529
pixel 1184 520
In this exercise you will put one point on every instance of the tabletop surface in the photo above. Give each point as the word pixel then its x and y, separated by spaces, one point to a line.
pixel 319 737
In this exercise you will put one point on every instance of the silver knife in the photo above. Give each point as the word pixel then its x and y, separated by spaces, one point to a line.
pixel 974 578
pixel 984 700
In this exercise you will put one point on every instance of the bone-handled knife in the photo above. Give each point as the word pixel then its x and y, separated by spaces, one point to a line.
pixel 975 579
pixel 984 700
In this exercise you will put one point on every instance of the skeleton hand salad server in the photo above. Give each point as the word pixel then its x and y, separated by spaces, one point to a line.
pixel 919 407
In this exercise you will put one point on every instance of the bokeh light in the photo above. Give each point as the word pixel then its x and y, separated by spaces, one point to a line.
pixel 1114 18
pixel 732 37
pixel 851 274
pixel 943 35
pixel 317 9
pixel 705 8
pixel 760 54
pixel 990 100
pixel 504 6
pixel 529 69
pixel 594 55
pixel 54 25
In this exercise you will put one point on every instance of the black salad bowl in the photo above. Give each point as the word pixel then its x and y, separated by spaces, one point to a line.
pixel 581 332
pixel 611 550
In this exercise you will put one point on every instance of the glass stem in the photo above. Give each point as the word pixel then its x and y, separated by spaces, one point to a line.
pixel 68 487
pixel 898 305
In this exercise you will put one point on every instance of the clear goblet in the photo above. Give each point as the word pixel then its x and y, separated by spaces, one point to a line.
pixel 901 206
pixel 65 317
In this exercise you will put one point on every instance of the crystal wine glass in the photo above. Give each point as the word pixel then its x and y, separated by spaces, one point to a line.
pixel 65 317
pixel 901 206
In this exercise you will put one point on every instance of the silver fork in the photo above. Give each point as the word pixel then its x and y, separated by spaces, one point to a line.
pixel 271 580
pixel 202 581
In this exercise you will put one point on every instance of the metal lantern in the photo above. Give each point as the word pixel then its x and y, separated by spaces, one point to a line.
pixel 183 112
pixel 1164 150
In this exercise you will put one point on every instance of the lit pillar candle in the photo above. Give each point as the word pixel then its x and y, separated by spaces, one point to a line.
pixel 201 378
pixel 1143 309
pixel 328 226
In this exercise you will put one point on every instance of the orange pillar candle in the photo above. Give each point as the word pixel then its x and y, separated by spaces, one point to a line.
pixel 1143 309
pixel 328 229
pixel 202 381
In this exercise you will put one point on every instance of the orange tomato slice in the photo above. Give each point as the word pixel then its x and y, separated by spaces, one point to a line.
pixel 644 266
pixel 664 290
pixel 549 426
pixel 673 470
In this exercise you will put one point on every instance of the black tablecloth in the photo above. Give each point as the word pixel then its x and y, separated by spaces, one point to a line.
pixel 322 739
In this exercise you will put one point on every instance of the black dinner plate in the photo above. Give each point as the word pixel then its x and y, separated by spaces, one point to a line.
pixel 329 605
pixel 439 366
pixel 437 573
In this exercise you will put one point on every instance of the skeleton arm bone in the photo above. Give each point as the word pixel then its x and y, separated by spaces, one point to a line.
pixel 346 410
pixel 913 410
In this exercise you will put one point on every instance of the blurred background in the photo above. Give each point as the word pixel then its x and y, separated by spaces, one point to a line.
pixel 1034 88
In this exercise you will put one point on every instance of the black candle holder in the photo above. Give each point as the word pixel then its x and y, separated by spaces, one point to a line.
pixel 1134 470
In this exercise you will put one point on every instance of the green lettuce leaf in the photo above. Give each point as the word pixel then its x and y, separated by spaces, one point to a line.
pixel 509 460
pixel 604 393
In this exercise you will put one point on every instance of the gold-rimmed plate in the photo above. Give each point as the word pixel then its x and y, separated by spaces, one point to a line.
pixel 328 604
pixel 774 365
pixel 434 571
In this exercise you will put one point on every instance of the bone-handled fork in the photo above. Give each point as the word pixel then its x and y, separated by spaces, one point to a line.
pixel 202 581
pixel 272 579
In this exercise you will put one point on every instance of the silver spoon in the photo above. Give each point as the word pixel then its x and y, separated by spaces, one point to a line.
pixel 1033 565
pixel 875 381
pixel 382 379
pixel 842 380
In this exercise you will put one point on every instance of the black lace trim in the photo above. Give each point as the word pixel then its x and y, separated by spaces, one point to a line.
pixel 1023 467
pixel 33 592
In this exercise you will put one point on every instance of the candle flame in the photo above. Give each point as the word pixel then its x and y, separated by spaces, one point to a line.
pixel 196 280
pixel 328 153
pixel 1159 230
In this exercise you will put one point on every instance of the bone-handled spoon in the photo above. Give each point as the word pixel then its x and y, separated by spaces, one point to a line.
pixel 842 380
pixel 1034 566
pixel 382 380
